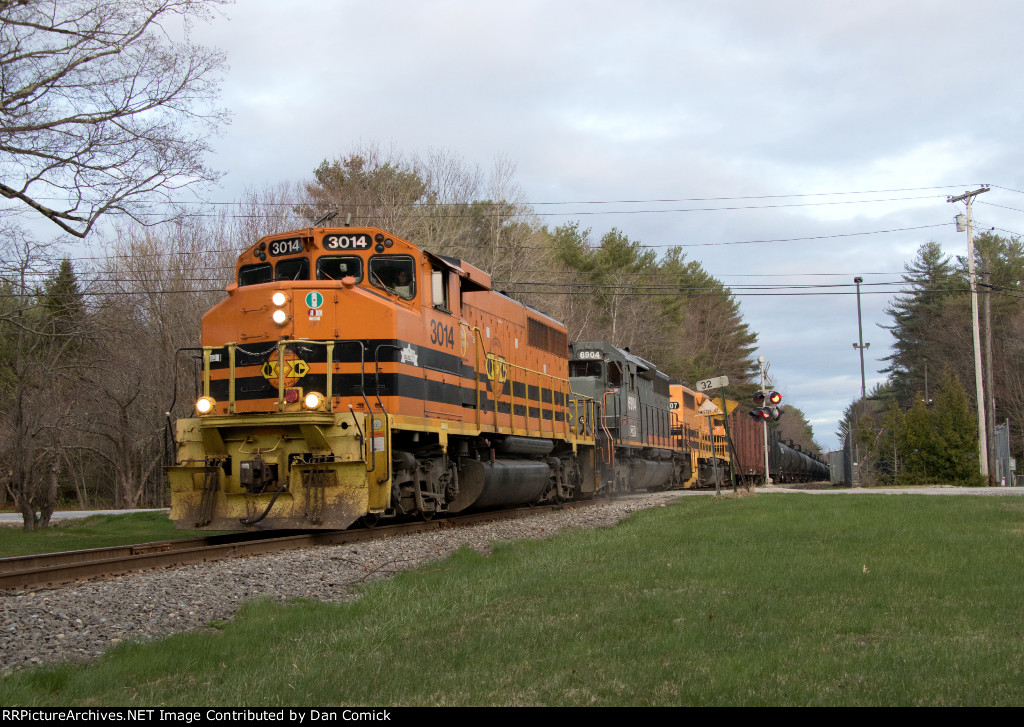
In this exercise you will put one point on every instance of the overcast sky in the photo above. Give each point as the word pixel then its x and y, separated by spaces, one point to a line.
pixel 683 101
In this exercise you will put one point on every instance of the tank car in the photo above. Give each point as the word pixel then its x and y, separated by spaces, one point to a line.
pixel 351 375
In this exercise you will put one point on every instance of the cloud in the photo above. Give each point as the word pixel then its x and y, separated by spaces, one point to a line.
pixel 669 100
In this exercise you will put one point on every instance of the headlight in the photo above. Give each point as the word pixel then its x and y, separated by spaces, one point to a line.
pixel 205 404
pixel 279 317
pixel 279 298
pixel 313 400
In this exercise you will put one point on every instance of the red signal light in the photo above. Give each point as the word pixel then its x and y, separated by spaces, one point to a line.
pixel 774 398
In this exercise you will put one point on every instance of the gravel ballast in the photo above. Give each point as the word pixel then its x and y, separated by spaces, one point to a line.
pixel 80 621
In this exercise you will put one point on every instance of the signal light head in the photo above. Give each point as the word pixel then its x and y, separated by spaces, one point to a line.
pixel 774 398
pixel 759 398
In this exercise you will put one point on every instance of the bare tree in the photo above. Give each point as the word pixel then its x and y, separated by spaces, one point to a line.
pixel 39 389
pixel 155 283
pixel 101 108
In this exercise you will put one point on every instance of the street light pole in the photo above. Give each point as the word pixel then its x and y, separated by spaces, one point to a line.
pixel 965 223
pixel 860 337
pixel 926 399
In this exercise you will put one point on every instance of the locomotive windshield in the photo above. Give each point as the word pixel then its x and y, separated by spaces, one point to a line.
pixel 293 268
pixel 584 368
pixel 255 274
pixel 336 267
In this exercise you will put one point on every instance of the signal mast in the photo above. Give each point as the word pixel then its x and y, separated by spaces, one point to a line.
pixel 767 406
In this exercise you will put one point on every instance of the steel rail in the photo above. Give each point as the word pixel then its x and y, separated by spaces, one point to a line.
pixel 54 569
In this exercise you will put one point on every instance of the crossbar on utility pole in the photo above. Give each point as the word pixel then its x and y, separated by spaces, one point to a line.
pixel 968 197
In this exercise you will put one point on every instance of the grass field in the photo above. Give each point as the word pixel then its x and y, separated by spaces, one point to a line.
pixel 764 600
pixel 98 531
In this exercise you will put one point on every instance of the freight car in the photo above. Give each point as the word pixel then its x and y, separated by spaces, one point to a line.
pixel 787 462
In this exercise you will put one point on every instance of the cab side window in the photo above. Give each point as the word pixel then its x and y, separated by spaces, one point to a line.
pixel 614 373
pixel 397 275
pixel 439 289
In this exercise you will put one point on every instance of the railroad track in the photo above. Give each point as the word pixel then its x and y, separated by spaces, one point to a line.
pixel 55 569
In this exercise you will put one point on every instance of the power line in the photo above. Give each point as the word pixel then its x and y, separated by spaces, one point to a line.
pixel 671 200
pixel 533 213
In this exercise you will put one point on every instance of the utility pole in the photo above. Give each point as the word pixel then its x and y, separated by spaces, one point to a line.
pixel 964 222
pixel 990 404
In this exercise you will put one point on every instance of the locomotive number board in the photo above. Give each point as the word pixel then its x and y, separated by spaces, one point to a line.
pixel 347 242
pixel 286 247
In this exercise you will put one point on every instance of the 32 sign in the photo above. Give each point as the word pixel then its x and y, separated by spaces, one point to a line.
pixel 719 382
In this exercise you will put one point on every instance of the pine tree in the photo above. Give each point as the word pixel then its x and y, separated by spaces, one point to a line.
pixel 63 302
pixel 917 319
pixel 956 434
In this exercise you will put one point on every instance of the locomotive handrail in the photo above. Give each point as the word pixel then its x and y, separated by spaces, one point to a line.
pixel 564 387
pixel 610 459
pixel 384 411
pixel 329 345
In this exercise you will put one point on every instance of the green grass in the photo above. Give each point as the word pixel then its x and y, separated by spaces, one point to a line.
pixel 98 531
pixel 766 600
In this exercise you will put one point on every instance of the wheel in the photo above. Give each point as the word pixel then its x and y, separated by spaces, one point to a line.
pixel 370 520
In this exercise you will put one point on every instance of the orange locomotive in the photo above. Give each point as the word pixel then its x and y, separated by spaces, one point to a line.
pixel 350 375
pixel 698 436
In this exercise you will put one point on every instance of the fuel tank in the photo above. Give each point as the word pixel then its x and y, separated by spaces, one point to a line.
pixel 499 483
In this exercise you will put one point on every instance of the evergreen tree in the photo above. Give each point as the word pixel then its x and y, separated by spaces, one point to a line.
pixel 955 445
pixel 62 300
pixel 930 445
pixel 702 333
pixel 918 319
pixel 613 277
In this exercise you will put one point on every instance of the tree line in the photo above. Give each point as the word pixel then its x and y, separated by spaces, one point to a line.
pixel 95 356
pixel 107 111
pixel 920 425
